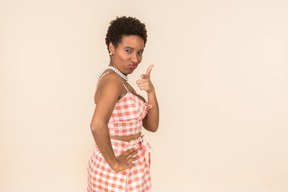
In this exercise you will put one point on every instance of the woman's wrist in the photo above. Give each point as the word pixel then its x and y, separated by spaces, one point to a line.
pixel 152 93
pixel 114 165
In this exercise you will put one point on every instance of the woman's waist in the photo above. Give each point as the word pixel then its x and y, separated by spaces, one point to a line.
pixel 126 138
pixel 136 141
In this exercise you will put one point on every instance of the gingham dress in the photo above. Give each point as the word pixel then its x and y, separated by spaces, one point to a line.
pixel 126 119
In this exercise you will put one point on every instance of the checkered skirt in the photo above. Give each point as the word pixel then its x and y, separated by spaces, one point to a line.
pixel 102 178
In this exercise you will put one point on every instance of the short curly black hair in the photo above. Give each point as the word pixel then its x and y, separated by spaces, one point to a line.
pixel 125 26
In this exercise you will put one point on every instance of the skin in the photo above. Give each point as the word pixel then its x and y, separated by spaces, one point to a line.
pixel 110 89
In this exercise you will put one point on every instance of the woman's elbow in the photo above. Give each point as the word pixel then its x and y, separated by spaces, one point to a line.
pixel 151 126
pixel 92 127
pixel 95 127
pixel 152 129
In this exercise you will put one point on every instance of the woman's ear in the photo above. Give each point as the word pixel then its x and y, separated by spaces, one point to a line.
pixel 111 48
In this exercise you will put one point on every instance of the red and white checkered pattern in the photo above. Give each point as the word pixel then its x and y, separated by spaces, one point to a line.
pixel 126 119
pixel 128 113
pixel 102 178
pixel 127 116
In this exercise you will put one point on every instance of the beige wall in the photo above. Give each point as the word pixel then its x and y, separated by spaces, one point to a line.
pixel 220 71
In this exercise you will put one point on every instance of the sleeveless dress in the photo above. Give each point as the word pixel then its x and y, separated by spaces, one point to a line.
pixel 126 119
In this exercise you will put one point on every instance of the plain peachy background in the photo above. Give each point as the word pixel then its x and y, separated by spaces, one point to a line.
pixel 221 75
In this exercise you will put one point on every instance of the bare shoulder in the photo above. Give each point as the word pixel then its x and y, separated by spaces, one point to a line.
pixel 111 79
pixel 110 85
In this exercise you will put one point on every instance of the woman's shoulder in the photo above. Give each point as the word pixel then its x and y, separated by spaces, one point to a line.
pixel 111 76
pixel 109 79
pixel 109 85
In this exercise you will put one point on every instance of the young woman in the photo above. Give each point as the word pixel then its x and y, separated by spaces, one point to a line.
pixel 119 162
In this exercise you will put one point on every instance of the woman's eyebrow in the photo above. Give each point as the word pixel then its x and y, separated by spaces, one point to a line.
pixel 133 48
pixel 128 47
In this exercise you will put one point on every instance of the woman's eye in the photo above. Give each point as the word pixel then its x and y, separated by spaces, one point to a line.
pixel 128 51
pixel 140 52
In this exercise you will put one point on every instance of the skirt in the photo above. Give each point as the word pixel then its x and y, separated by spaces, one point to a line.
pixel 101 178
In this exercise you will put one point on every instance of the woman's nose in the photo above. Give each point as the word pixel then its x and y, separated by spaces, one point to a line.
pixel 134 58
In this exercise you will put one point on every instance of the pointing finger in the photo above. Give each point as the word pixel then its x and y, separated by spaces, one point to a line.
pixel 149 70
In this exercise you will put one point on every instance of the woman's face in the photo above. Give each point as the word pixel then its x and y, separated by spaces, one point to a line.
pixel 128 54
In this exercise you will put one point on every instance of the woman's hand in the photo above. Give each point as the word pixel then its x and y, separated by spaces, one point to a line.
pixel 145 83
pixel 124 161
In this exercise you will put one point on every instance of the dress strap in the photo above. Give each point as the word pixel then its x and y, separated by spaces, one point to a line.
pixel 125 87
pixel 100 76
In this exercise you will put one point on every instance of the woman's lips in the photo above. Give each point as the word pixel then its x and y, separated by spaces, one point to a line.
pixel 134 66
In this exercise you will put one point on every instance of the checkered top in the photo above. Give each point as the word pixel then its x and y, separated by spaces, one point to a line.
pixel 127 116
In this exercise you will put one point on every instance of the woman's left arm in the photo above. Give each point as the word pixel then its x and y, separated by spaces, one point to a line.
pixel 151 121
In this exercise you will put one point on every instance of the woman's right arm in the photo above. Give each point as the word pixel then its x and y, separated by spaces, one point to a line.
pixel 108 92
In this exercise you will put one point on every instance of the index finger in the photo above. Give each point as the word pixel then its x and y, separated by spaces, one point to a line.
pixel 149 70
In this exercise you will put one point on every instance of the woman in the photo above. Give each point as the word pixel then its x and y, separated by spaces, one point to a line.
pixel 119 162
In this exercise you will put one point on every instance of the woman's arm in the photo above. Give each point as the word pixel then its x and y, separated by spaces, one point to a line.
pixel 151 121
pixel 108 92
